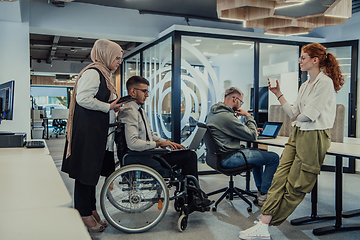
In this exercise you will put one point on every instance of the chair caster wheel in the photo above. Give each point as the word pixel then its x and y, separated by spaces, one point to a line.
pixel 182 222
pixel 214 209
pixel 249 209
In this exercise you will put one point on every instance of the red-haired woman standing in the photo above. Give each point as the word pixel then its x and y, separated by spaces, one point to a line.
pixel 314 115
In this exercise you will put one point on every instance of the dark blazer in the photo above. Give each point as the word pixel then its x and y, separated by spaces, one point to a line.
pixel 88 144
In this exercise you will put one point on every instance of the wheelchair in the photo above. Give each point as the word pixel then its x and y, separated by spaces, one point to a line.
pixel 136 196
pixel 59 127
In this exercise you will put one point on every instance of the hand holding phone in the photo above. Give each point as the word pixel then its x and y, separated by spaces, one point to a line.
pixel 120 101
pixel 124 99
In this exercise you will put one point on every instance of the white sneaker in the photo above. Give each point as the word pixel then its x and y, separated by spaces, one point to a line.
pixel 259 231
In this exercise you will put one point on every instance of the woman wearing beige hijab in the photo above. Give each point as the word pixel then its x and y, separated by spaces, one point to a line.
pixel 89 151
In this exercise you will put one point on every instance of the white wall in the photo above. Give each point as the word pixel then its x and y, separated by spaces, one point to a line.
pixel 14 65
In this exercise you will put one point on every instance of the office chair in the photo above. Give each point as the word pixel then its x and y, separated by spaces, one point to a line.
pixel 213 158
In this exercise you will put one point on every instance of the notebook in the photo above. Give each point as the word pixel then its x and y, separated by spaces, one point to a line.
pixel 270 130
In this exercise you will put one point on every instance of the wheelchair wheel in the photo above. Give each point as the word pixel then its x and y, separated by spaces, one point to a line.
pixel 138 201
pixel 182 222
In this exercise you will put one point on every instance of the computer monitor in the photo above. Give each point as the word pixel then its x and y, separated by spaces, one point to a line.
pixel 7 100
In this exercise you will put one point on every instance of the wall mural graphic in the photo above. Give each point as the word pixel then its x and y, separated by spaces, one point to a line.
pixel 200 89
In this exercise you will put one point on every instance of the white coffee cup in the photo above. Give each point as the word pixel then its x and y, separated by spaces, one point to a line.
pixel 272 82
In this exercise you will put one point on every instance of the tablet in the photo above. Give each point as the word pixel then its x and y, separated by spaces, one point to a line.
pixel 127 98
pixel 270 130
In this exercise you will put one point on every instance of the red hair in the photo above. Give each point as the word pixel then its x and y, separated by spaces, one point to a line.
pixel 327 62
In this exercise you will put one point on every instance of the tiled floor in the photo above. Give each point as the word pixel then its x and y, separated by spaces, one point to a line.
pixel 232 217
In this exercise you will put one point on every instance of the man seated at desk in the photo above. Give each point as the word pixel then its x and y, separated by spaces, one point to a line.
pixel 139 136
pixel 228 131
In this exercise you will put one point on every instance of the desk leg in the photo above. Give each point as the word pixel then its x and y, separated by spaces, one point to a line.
pixel 313 217
pixel 338 227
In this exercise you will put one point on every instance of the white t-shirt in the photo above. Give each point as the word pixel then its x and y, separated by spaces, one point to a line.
pixel 317 101
pixel 87 88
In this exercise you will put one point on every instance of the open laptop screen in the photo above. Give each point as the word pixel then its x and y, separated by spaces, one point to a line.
pixel 271 129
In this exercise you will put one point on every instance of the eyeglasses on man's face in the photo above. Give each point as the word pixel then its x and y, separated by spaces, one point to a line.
pixel 119 59
pixel 241 101
pixel 145 91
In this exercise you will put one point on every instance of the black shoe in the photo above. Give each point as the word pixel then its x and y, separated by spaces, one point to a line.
pixel 200 205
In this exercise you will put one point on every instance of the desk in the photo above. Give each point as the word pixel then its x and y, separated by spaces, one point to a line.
pixel 31 181
pixel 44 223
pixel 23 151
pixel 339 150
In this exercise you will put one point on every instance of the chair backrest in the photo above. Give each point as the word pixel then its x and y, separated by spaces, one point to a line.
pixel 277 114
pixel 59 113
pixel 211 146
pixel 337 132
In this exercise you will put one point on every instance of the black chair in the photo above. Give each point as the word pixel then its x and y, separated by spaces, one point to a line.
pixel 213 158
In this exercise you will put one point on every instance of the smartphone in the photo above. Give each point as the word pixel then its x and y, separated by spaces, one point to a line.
pixel 127 98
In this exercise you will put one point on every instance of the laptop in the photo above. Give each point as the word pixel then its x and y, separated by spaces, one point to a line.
pixel 270 130
pixel 195 142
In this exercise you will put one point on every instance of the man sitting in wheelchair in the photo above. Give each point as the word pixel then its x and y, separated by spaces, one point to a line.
pixel 139 137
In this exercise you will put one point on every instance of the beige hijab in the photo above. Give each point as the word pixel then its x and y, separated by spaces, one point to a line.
pixel 103 54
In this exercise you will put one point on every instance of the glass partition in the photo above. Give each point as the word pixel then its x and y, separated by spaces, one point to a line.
pixel 131 67
pixel 208 67
pixel 157 69
pixel 343 55
pixel 281 62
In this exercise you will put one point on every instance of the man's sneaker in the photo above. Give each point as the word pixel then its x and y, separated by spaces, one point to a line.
pixel 261 199
pixel 259 231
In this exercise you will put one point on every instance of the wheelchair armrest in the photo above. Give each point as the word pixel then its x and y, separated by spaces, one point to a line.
pixel 155 151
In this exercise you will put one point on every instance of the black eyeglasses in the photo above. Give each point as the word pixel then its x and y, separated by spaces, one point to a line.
pixel 145 91
pixel 241 101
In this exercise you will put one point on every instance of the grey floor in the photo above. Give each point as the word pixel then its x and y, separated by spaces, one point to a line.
pixel 231 216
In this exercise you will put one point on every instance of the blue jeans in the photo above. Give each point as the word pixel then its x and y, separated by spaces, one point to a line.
pixel 260 158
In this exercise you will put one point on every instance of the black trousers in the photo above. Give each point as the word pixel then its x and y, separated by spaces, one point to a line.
pixel 85 195
pixel 84 198
pixel 185 160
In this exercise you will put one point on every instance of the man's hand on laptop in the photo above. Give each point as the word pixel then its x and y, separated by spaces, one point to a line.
pixel 171 145
pixel 260 130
